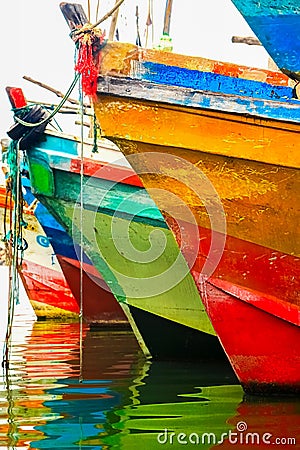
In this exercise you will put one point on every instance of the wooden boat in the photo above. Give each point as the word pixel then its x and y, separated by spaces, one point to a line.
pixel 40 272
pixel 104 311
pixel 228 150
pixel 148 286
pixel 276 24
pixel 52 155
pixel 246 146
pixel 99 305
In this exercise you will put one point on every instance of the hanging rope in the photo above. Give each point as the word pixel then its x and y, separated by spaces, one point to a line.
pixel 89 10
pixel 95 134
pixel 88 62
pixel 138 37
pixel 81 232
pixel 149 22
pixel 97 9
pixel 14 240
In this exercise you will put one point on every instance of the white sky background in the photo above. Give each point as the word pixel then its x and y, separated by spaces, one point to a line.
pixel 34 40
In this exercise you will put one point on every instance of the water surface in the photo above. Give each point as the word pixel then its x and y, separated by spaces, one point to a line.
pixel 99 392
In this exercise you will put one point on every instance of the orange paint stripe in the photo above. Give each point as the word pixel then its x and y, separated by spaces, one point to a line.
pixel 226 134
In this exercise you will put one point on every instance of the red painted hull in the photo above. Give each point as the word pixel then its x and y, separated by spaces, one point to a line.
pixel 242 262
pixel 253 301
pixel 47 287
pixel 263 348
pixel 99 304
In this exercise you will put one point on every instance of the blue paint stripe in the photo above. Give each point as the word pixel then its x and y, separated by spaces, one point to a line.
pixel 61 242
pixel 58 144
pixel 212 82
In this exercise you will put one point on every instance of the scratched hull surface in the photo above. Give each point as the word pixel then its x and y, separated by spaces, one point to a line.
pixel 276 24
pixel 250 159
pixel 45 284
pixel 123 214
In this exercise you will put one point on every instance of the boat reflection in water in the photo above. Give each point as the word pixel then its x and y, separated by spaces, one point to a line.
pixel 105 394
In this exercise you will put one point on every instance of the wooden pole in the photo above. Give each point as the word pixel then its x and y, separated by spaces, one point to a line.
pixel 51 89
pixel 167 20
pixel 113 24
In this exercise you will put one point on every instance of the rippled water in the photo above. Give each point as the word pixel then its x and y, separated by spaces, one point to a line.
pixel 100 393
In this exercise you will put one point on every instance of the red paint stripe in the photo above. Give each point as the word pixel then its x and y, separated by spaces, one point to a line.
pixel 88 268
pixel 277 78
pixel 10 203
pixel 99 304
pixel 106 171
pixel 267 303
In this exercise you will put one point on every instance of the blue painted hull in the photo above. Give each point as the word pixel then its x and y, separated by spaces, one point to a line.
pixel 61 242
pixel 276 24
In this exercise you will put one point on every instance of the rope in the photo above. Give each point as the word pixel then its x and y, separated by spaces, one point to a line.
pixel 89 10
pixel 97 9
pixel 138 37
pixel 81 232
pixel 88 28
pixel 15 239
pixel 149 22
pixel 95 134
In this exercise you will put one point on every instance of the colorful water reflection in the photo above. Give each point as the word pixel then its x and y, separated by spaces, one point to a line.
pixel 95 390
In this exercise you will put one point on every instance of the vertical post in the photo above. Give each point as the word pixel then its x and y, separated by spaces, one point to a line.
pixel 167 20
pixel 113 24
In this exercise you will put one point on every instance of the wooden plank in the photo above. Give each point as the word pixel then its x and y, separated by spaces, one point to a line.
pixel 74 15
pixel 249 40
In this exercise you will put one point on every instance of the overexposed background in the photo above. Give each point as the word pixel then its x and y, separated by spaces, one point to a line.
pixel 34 40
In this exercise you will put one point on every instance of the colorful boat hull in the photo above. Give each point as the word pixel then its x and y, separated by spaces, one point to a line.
pixel 127 208
pixel 232 160
pixel 40 272
pixel 98 304
pixel 260 364
pixel 276 24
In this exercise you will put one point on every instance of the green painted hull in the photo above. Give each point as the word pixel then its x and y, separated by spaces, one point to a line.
pixel 126 238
